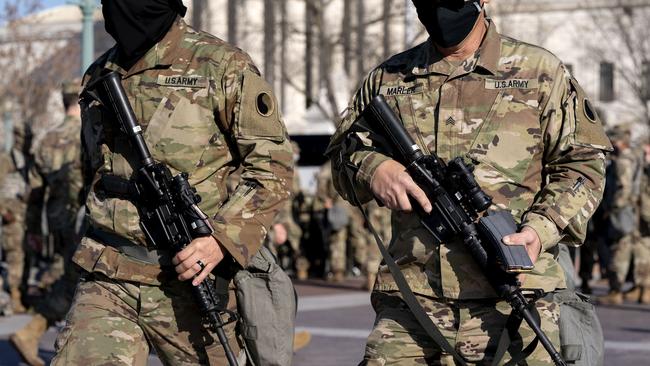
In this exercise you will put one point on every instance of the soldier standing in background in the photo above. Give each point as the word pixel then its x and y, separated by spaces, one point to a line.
pixel 346 223
pixel 205 110
pixel 57 160
pixel 641 291
pixel 14 192
pixel 515 111
pixel 624 213
pixel 5 298
pixel 285 234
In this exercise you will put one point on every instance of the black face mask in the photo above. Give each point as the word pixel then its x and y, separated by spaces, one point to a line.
pixel 137 25
pixel 448 22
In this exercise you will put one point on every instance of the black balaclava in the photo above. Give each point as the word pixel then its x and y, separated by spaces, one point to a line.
pixel 137 25
pixel 448 22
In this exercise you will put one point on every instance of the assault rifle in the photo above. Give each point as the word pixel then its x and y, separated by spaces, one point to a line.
pixel 458 202
pixel 168 206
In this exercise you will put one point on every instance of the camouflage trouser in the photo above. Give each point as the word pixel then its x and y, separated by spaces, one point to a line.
pixel 474 328
pixel 630 248
pixel 356 234
pixel 115 322
pixel 642 263
pixel 14 251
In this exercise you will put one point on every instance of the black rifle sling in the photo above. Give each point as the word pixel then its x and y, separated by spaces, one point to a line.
pixel 512 329
pixel 408 296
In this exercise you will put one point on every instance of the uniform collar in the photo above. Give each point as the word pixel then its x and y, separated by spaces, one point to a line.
pixel 162 54
pixel 431 61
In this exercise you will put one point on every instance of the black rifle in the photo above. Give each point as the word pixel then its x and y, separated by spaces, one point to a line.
pixel 167 205
pixel 457 202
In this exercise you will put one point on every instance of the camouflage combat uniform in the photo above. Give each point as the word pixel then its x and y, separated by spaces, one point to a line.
pixel 353 233
pixel 14 192
pixel 629 169
pixel 514 111
pixel 204 110
pixel 58 162
pixel 642 257
pixel 56 173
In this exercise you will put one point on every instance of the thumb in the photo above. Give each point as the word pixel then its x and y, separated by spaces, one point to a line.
pixel 517 239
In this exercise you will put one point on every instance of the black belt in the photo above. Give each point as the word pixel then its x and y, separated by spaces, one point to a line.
pixel 131 249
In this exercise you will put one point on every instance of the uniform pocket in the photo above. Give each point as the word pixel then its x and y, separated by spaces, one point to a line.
pixel 508 140
pixel 183 134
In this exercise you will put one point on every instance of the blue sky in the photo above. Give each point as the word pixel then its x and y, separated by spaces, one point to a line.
pixel 51 3
pixel 46 3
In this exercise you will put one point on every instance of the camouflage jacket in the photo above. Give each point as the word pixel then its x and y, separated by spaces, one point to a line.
pixel 513 110
pixel 204 110
pixel 57 160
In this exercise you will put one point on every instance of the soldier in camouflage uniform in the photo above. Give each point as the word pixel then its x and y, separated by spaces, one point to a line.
pixel 629 170
pixel 351 231
pixel 638 249
pixel 57 160
pixel 5 299
pixel 206 111
pixel 642 256
pixel 513 110
pixel 285 234
pixel 14 192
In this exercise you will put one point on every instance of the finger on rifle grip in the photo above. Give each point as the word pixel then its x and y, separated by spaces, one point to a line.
pixel 416 192
pixel 404 203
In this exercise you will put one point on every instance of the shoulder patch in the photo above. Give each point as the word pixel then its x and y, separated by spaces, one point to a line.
pixel 493 84
pixel 258 110
pixel 183 81
pixel 589 130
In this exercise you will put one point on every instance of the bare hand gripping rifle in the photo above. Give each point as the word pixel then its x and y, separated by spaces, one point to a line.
pixel 458 204
pixel 168 206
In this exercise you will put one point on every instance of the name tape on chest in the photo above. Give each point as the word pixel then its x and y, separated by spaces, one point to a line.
pixel 392 91
pixel 183 81
pixel 511 84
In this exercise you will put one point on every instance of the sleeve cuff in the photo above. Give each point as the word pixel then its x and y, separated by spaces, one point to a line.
pixel 548 233
pixel 368 167
pixel 240 253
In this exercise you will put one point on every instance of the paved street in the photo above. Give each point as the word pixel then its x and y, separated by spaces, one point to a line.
pixel 339 318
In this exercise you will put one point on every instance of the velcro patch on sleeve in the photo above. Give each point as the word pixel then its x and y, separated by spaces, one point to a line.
pixel 183 81
pixel 259 116
pixel 492 84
